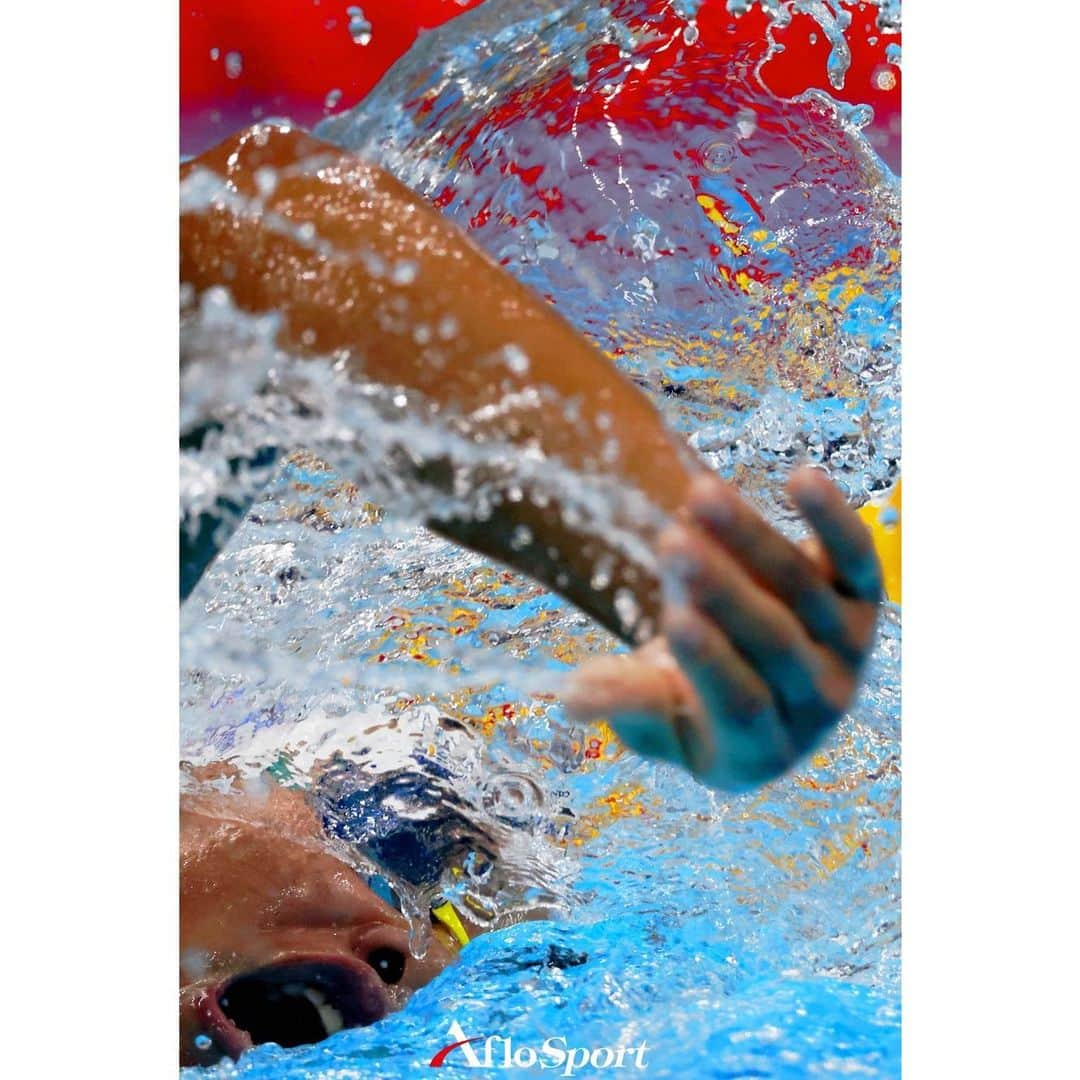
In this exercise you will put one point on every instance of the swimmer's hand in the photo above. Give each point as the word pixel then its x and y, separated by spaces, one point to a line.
pixel 763 639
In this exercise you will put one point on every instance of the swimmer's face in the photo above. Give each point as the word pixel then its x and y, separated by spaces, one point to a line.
pixel 280 941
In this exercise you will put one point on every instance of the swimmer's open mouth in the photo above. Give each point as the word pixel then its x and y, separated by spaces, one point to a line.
pixel 296 1002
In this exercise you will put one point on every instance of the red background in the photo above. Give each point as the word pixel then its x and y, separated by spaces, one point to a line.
pixel 294 52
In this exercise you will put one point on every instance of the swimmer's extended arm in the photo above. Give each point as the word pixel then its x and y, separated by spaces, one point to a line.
pixel 409 301
pixel 760 653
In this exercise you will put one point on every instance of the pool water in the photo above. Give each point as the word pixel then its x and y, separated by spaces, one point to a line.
pixel 738 256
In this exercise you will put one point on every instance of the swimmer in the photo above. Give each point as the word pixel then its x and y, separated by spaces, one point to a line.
pixel 741 665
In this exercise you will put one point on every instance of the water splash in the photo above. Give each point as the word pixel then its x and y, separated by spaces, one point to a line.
pixel 718 243
pixel 737 256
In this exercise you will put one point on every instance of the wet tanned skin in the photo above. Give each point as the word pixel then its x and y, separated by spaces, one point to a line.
pixel 341 306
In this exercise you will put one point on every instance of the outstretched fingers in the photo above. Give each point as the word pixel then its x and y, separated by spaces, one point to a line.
pixel 844 538
pixel 774 561
pixel 804 679
pixel 803 582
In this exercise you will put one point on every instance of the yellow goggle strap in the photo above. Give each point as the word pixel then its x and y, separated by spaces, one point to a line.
pixel 448 916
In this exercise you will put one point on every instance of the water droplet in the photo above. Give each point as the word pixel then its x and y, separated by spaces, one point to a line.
pixel 404 272
pixel 359 26
pixel 521 538
pixel 448 327
pixel 717 156
pixel 889 15
pixel 601 577
pixel 215 53
pixel 745 123
pixel 884 79
pixel 837 65
pixel 203 1042
pixel 513 796
pixel 234 65
pixel 266 180
pixel 627 608
pixel 332 99
pixel 690 33
pixel 516 358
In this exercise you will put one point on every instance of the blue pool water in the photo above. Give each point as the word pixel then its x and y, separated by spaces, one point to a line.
pixel 755 936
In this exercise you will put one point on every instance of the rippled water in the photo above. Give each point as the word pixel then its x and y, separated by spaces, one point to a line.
pixel 736 255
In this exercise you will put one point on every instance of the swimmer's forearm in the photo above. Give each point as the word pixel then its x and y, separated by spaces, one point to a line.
pixel 414 303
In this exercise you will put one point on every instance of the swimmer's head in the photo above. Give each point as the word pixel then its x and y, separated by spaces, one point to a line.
pixel 280 941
